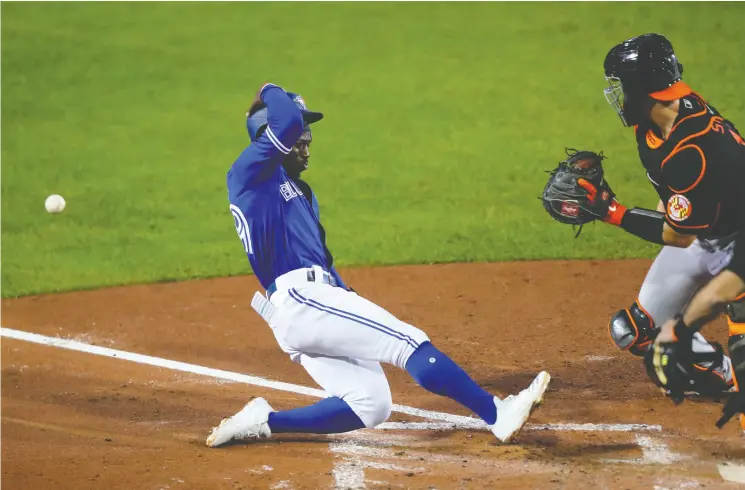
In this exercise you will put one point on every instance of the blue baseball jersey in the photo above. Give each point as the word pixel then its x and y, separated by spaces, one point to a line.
pixel 277 218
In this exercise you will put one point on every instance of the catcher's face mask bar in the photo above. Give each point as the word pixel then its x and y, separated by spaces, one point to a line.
pixel 614 96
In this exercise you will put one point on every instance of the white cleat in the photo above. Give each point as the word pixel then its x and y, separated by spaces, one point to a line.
pixel 252 422
pixel 513 411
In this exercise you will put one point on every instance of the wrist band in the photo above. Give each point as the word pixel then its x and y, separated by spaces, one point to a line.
pixel 681 330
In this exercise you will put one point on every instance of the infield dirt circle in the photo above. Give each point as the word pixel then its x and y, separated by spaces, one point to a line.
pixel 78 420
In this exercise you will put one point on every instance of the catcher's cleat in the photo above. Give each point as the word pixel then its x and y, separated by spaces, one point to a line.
pixel 735 406
pixel 514 411
pixel 252 422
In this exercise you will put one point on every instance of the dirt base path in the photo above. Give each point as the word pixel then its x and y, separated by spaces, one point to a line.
pixel 78 420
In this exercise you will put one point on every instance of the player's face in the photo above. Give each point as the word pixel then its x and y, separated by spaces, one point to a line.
pixel 297 160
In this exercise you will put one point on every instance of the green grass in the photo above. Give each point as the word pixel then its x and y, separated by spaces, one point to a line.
pixel 440 119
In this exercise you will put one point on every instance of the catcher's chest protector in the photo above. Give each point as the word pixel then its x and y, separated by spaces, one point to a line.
pixel 699 171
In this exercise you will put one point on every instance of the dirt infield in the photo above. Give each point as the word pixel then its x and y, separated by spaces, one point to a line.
pixel 78 420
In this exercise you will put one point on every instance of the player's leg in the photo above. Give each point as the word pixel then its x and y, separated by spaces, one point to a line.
pixel 359 397
pixel 329 321
pixel 675 276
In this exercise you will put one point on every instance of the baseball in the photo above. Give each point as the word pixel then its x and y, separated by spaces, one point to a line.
pixel 54 203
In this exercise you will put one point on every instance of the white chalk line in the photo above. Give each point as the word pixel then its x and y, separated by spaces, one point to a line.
pixel 655 451
pixel 349 471
pixel 536 427
pixel 452 421
pixel 353 459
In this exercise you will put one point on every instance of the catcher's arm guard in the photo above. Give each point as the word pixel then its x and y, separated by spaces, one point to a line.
pixel 576 192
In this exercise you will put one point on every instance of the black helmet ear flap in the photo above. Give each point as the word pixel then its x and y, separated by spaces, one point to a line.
pixel 680 68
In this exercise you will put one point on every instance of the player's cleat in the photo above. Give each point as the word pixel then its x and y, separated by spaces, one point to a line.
pixel 252 422
pixel 513 411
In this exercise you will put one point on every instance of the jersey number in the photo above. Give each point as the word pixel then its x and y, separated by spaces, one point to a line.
pixel 719 128
pixel 241 227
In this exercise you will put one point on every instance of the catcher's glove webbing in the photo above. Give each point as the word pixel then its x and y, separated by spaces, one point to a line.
pixel 576 192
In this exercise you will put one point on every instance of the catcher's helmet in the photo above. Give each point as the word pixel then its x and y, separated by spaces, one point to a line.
pixel 257 119
pixel 638 67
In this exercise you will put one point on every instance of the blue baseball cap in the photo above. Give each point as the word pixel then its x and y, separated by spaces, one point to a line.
pixel 257 122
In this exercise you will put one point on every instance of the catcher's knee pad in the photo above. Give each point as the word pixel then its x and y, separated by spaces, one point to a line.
pixel 632 329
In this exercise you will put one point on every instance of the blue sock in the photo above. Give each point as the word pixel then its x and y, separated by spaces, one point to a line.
pixel 329 416
pixel 436 372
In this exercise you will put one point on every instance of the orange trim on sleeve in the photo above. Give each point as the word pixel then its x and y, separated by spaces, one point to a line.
pixel 708 128
pixel 697 227
pixel 677 150
pixel 698 114
pixel 675 91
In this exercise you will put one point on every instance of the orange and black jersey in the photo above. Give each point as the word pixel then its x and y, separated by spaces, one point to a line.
pixel 698 171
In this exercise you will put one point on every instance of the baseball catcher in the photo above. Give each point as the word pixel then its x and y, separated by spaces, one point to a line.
pixel 695 160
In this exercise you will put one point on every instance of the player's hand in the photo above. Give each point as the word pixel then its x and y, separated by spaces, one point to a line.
pixel 662 361
pixel 257 97
pixel 667 334
pixel 615 210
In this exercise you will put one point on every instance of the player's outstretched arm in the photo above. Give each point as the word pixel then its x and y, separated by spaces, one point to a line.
pixel 650 226
pixel 577 193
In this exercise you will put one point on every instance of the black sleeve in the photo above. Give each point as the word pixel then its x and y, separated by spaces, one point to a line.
pixel 645 224
pixel 694 204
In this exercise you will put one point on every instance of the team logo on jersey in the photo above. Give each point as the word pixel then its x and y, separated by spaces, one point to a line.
pixel 569 209
pixel 289 190
pixel 653 141
pixel 241 227
pixel 678 207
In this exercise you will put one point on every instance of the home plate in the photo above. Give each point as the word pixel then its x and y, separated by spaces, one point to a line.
pixel 732 472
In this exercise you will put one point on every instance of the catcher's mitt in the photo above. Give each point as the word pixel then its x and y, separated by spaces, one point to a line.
pixel 680 371
pixel 576 192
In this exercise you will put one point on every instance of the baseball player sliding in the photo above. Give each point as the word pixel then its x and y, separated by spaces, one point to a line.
pixel 339 337
pixel 695 159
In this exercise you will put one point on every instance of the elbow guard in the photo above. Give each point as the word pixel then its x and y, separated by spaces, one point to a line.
pixel 645 224
pixel 632 329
